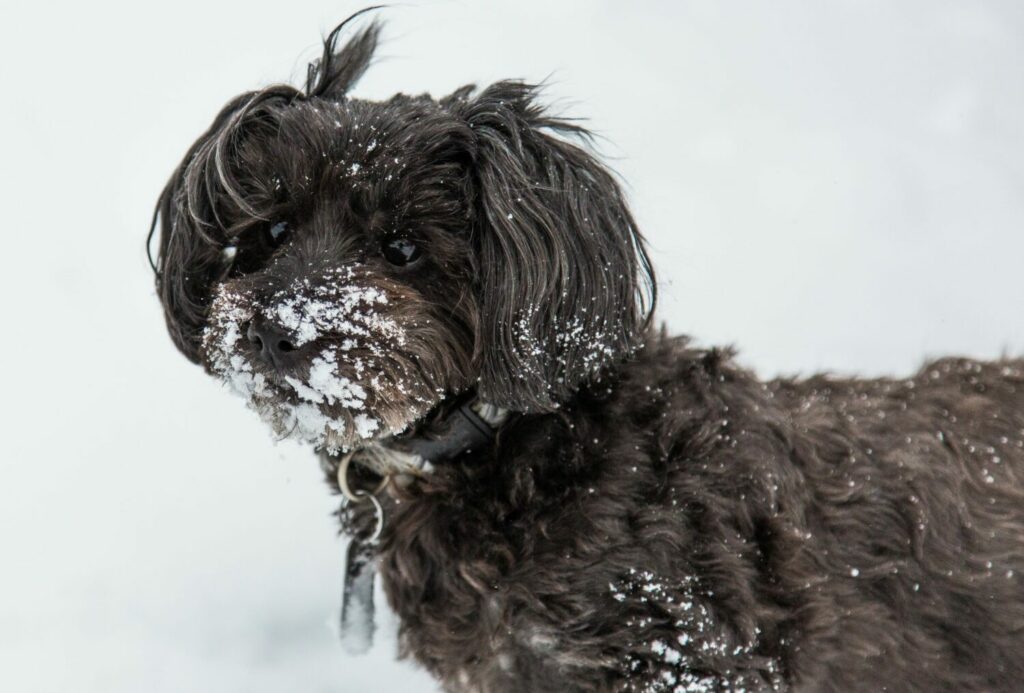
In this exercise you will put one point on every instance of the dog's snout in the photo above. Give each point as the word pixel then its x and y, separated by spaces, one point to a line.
pixel 272 344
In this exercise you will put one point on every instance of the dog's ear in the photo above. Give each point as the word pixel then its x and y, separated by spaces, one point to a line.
pixel 338 70
pixel 192 213
pixel 565 285
pixel 191 241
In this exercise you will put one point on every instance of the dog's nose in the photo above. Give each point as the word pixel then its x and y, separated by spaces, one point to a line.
pixel 271 343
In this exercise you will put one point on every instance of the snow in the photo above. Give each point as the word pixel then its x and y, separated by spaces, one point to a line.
pixel 333 412
pixel 358 640
pixel 671 663
pixel 802 195
pixel 341 308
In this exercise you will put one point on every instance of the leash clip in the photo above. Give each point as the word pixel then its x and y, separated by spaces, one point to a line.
pixel 357 607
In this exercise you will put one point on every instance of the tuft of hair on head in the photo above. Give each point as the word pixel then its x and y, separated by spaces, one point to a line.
pixel 338 70
pixel 566 287
pixel 204 189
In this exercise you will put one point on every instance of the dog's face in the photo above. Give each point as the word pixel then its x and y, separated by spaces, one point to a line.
pixel 346 265
pixel 345 312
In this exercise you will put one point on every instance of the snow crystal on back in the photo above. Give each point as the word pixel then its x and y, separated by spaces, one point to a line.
pixel 671 661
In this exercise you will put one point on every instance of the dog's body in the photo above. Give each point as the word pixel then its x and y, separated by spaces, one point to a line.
pixel 649 517
pixel 682 526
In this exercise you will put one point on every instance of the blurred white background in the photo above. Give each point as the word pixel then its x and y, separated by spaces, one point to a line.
pixel 824 184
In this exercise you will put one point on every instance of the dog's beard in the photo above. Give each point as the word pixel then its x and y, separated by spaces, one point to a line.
pixel 359 386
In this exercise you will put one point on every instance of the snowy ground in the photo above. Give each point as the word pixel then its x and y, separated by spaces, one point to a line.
pixel 827 185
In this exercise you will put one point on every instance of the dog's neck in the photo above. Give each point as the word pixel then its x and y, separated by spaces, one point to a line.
pixel 465 426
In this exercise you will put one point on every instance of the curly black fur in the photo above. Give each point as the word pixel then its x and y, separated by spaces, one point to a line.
pixel 656 519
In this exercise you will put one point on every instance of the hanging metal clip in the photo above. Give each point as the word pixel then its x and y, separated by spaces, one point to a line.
pixel 357 608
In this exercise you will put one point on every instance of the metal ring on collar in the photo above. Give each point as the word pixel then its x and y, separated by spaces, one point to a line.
pixel 359 495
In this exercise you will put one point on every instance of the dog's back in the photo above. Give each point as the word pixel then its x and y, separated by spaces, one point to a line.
pixel 915 504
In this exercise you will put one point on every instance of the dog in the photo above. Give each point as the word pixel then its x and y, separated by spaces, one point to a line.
pixel 450 299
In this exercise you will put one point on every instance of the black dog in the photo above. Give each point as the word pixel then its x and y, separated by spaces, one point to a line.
pixel 453 295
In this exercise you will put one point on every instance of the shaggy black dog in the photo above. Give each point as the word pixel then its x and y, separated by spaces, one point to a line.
pixel 640 515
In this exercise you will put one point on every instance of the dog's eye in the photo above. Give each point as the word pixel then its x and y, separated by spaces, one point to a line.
pixel 277 233
pixel 400 251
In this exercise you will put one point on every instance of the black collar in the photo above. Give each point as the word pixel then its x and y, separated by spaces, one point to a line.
pixel 462 429
pixel 452 429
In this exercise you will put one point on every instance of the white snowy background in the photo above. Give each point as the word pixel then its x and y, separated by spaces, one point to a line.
pixel 825 184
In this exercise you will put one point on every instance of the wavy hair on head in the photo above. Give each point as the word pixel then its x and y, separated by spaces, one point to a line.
pixel 204 205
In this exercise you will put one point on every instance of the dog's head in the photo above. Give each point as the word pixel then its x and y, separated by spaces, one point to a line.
pixel 346 265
